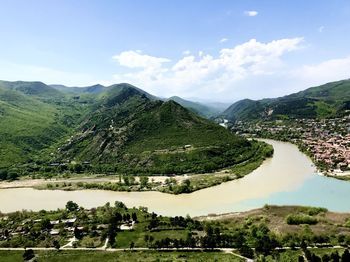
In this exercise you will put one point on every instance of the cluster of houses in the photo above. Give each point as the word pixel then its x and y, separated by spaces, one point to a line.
pixel 327 140
pixel 65 227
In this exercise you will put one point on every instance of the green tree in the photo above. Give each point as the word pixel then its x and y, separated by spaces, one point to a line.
pixel 28 254
pixel 346 256
pixel 126 180
pixel 144 181
pixel 119 204
pixel 246 251
pixel 71 206
pixel 3 174
pixel 56 244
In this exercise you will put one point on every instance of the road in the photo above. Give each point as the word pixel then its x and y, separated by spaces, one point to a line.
pixel 104 248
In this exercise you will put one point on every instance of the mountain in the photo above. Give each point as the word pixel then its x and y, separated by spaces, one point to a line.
pixel 32 120
pixel 94 89
pixel 328 100
pixel 200 109
pixel 119 128
pixel 35 89
pixel 129 132
pixel 98 89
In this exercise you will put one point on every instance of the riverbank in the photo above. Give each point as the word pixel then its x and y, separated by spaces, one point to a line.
pixel 178 184
pixel 280 176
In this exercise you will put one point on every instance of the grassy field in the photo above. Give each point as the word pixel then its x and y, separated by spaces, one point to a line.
pixel 144 256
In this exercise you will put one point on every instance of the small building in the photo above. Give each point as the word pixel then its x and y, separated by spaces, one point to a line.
pixel 69 222
pixel 54 232
pixel 54 222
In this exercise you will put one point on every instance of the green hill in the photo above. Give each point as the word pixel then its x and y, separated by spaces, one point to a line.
pixel 120 129
pixel 129 132
pixel 34 89
pixel 28 125
pixel 198 108
pixel 329 100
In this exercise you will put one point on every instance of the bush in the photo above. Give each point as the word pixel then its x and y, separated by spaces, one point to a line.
pixel 301 219
pixel 313 211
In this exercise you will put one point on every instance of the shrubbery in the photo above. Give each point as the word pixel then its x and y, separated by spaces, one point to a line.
pixel 301 219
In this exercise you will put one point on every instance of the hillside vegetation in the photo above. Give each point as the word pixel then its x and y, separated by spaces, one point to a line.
pixel 32 117
pixel 119 128
pixel 325 101
pixel 129 132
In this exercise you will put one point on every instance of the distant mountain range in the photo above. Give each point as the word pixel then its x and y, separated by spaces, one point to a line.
pixel 329 100
pixel 199 108
pixel 116 128
pixel 122 127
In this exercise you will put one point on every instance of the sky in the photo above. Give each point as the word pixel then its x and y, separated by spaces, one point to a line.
pixel 203 50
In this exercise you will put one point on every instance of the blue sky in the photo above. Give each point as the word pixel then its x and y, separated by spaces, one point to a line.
pixel 208 50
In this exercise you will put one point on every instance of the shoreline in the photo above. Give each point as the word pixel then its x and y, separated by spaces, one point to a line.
pixel 156 183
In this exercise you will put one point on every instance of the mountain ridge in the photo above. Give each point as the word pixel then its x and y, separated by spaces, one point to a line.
pixel 329 100
pixel 122 129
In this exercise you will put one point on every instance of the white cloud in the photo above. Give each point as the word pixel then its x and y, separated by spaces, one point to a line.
pixel 135 59
pixel 320 29
pixel 326 71
pixel 186 52
pixel 251 13
pixel 223 40
pixel 206 75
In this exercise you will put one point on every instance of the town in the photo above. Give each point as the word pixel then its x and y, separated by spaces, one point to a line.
pixel 326 141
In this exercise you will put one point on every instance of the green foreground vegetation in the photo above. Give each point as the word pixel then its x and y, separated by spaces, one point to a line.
pixel 269 233
pixel 313 255
pixel 147 256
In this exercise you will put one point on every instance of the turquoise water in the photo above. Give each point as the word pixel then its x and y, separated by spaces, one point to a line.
pixel 315 191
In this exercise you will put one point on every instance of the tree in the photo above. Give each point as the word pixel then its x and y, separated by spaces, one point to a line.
pixel 119 204
pixel 28 254
pixel 134 216
pixel 45 224
pixel 3 174
pixel 12 175
pixel 126 180
pixel 346 256
pixel 71 206
pixel 335 256
pixel 56 244
pixel 144 181
pixel 246 251
pixel 77 233
pixel 112 233
pixel 326 258
pixel 78 168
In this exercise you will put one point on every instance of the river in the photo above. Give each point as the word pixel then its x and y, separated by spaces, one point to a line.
pixel 288 178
